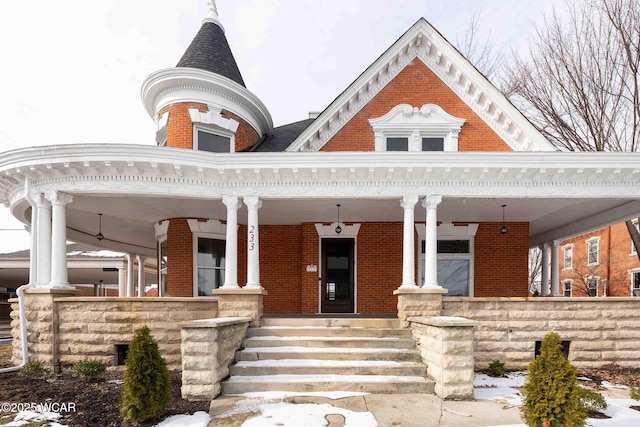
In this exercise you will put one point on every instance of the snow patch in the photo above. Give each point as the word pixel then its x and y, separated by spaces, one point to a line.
pixel 199 419
pixel 307 415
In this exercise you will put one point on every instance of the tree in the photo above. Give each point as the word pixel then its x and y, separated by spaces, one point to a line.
pixel 579 82
pixel 482 54
pixel 146 392
pixel 535 271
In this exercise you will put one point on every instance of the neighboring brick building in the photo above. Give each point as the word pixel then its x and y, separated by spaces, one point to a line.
pixel 321 213
pixel 601 263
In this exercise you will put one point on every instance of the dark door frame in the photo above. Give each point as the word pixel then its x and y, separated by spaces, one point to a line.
pixel 338 304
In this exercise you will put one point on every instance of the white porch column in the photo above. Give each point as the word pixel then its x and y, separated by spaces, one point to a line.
pixel 431 242
pixel 33 254
pixel 59 275
pixel 253 241
pixel 141 281
pixel 231 253
pixel 544 280
pixel 122 282
pixel 408 203
pixel 555 269
pixel 44 240
pixel 130 276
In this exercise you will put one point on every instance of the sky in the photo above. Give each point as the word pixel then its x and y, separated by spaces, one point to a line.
pixel 72 69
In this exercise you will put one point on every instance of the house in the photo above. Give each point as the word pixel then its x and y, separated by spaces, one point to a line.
pixel 601 263
pixel 416 193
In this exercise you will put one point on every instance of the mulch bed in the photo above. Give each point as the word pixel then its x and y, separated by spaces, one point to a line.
pixel 96 400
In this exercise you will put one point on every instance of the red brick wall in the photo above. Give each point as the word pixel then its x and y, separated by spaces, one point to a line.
pixel 415 85
pixel 615 259
pixel 180 126
pixel 310 256
pixel 179 259
pixel 501 260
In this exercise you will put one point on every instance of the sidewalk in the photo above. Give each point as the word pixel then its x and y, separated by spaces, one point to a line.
pixel 398 410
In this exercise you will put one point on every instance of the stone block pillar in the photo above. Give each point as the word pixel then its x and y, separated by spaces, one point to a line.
pixel 241 302
pixel 446 345
pixel 208 348
pixel 419 302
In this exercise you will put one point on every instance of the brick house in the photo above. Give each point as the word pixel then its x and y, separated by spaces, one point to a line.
pixel 419 175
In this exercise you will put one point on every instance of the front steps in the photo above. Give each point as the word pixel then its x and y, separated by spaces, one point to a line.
pixel 328 354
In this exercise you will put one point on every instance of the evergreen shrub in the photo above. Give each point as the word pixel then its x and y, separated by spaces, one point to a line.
pixel 88 368
pixel 146 392
pixel 552 396
pixel 593 400
pixel 497 368
pixel 635 393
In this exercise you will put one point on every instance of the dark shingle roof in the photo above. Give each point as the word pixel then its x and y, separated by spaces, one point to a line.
pixel 210 51
pixel 281 137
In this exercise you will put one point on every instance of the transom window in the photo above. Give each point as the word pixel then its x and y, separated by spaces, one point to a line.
pixel 407 128
pixel 593 246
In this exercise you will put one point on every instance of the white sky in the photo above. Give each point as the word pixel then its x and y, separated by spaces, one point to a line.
pixel 72 69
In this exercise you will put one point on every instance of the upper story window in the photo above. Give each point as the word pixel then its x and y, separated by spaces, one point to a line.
pixel 212 132
pixel 407 128
pixel 593 246
pixel 568 257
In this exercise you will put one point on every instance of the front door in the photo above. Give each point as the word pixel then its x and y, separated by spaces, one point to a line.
pixel 337 281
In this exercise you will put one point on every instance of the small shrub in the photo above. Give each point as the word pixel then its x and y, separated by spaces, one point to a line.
pixel 592 400
pixel 635 393
pixel 551 393
pixel 497 368
pixel 146 392
pixel 34 369
pixel 88 368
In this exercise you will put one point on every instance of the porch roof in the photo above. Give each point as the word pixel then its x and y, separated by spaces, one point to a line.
pixel 134 186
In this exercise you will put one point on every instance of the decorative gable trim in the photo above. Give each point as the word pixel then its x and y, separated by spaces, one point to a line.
pixel 422 41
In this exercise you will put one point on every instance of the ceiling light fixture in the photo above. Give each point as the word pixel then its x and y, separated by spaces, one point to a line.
pixel 338 228
pixel 99 236
pixel 503 230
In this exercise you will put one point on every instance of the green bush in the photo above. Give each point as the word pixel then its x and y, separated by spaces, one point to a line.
pixel 34 369
pixel 146 392
pixel 88 368
pixel 497 368
pixel 592 400
pixel 551 393
pixel 635 393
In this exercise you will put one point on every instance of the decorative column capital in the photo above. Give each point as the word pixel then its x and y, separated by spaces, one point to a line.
pixel 432 201
pixel 58 198
pixel 409 201
pixel 252 202
pixel 41 201
pixel 232 202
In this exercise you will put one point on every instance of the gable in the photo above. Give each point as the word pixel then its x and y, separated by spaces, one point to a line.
pixel 422 43
pixel 415 85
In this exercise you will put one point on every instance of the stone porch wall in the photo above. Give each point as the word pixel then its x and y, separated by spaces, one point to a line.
pixel 68 329
pixel 601 331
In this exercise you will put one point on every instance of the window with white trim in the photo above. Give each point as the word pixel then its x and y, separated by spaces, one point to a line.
pixel 212 141
pixel 209 263
pixel 568 287
pixel 633 246
pixel 568 257
pixel 635 284
pixel 592 286
pixel 407 128
pixel 455 266
pixel 162 271
pixel 593 249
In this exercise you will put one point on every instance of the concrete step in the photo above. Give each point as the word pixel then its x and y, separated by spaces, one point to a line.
pixel 330 341
pixel 325 367
pixel 316 383
pixel 328 353
pixel 332 322
pixel 310 331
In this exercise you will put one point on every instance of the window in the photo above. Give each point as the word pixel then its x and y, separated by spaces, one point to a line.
pixel 635 284
pixel 407 128
pixel 210 259
pixel 633 246
pixel 397 144
pixel 592 251
pixel 162 262
pixel 454 265
pixel 592 287
pixel 568 287
pixel 568 257
pixel 211 142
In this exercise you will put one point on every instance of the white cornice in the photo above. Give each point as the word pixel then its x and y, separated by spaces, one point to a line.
pixel 181 84
pixel 424 42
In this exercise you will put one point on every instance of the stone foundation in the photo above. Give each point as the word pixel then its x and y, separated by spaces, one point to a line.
pixel 415 302
pixel 446 345
pixel 208 348
pixel 241 302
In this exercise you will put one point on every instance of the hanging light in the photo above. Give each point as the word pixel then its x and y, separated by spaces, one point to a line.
pixel 99 236
pixel 338 228
pixel 503 230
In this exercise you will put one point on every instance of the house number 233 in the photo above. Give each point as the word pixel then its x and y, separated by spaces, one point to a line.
pixel 252 237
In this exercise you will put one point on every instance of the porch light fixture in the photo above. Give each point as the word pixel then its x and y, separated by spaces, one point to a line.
pixel 503 230
pixel 338 228
pixel 99 236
